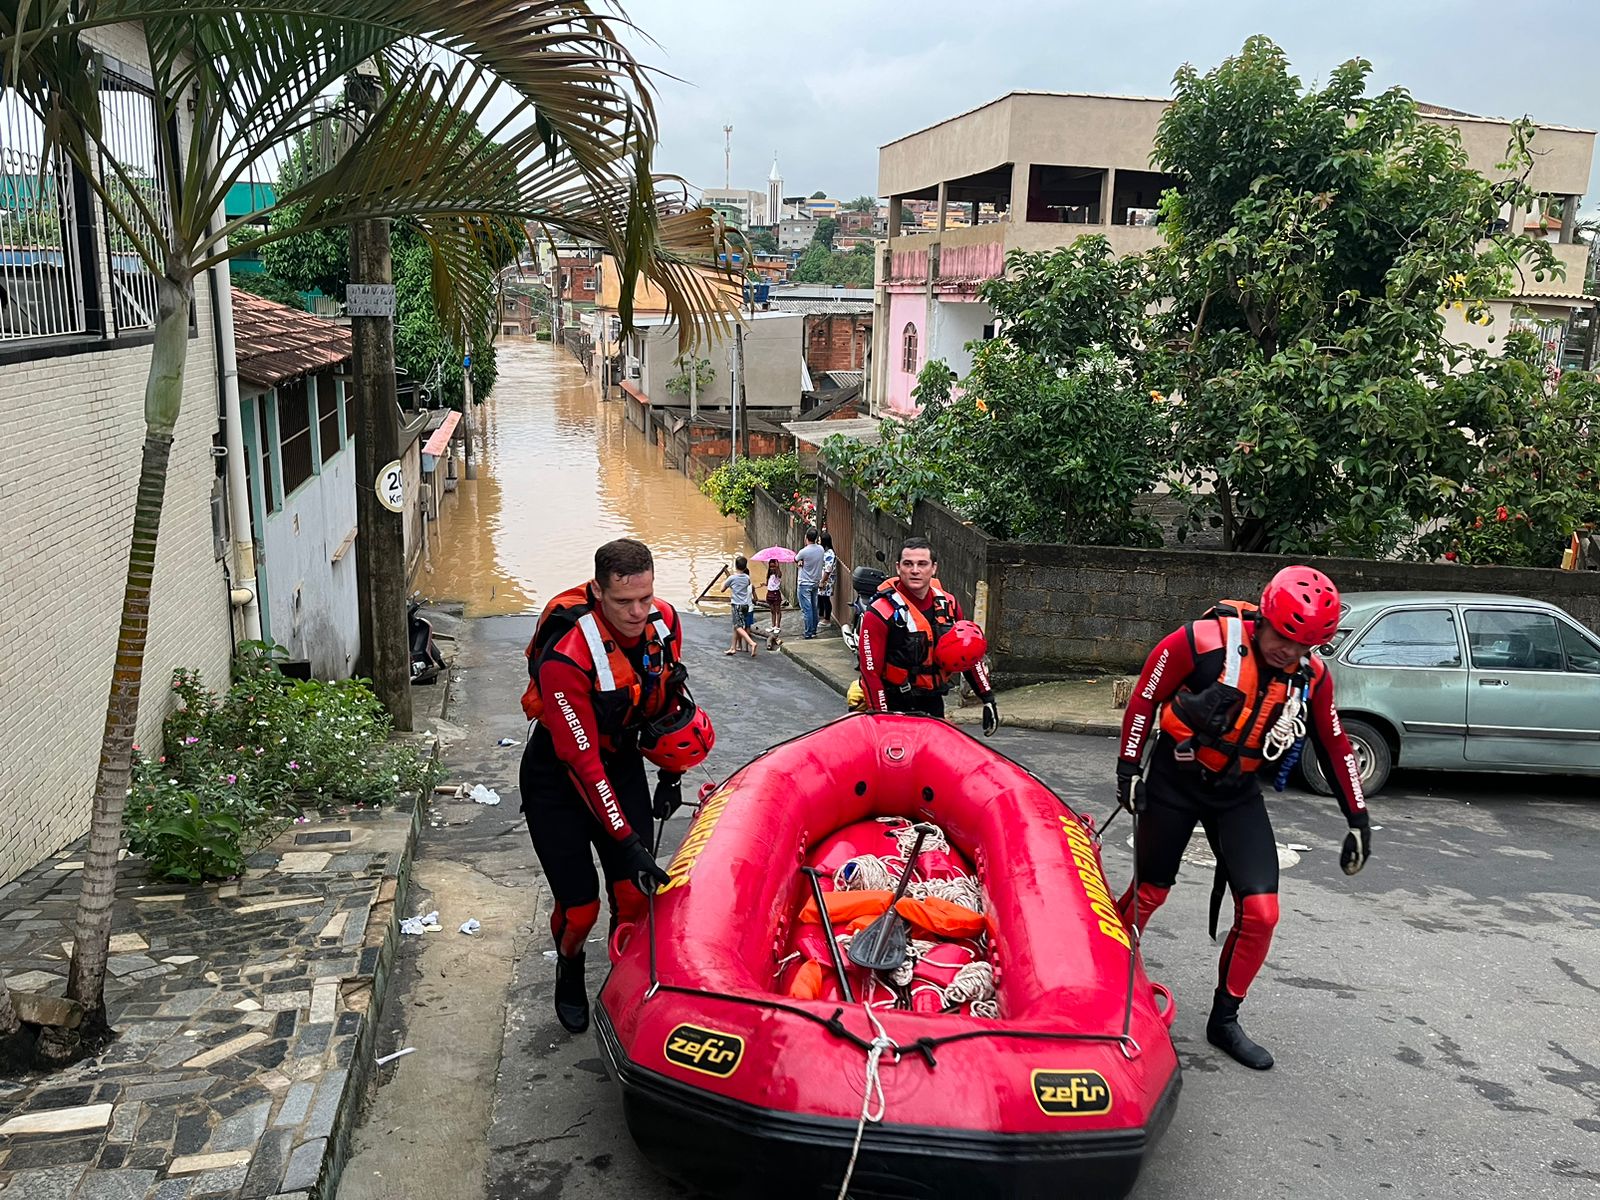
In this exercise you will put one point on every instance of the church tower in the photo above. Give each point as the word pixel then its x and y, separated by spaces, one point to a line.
pixel 774 193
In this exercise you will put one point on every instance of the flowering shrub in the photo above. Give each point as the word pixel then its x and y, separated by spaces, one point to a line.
pixel 804 507
pixel 732 486
pixel 239 766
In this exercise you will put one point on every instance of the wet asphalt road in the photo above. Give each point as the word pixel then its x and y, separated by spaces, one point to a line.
pixel 1436 1019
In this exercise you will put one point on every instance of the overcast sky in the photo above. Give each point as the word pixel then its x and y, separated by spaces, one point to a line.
pixel 825 83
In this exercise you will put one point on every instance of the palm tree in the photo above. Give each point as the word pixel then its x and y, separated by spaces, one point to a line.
pixel 567 130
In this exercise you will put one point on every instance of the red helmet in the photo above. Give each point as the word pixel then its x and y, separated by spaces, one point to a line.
pixel 680 740
pixel 1302 604
pixel 961 649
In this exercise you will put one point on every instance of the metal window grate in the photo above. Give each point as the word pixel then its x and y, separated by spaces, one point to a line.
pixel 328 416
pixel 134 139
pixel 294 434
pixel 41 268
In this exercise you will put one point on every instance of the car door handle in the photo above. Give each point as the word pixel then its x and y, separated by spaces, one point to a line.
pixel 1491 683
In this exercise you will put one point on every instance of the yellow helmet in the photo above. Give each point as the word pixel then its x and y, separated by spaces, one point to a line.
pixel 856 697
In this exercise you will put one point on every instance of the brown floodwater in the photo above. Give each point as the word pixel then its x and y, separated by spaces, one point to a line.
pixel 560 472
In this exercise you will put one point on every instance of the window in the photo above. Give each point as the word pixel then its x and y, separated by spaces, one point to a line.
pixel 1583 655
pixel 264 441
pixel 1508 640
pixel 908 349
pixel 138 175
pixel 294 434
pixel 328 416
pixel 42 269
pixel 347 397
pixel 588 283
pixel 1410 638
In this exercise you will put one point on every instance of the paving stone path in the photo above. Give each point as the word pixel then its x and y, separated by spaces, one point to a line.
pixel 243 1014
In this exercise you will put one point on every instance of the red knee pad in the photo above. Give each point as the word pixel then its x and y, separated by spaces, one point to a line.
pixel 628 903
pixel 1151 898
pixel 571 926
pixel 1254 919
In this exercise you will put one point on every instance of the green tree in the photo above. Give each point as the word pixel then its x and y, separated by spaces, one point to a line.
pixel 763 241
pixel 827 230
pixel 908 219
pixel 863 204
pixel 240 82
pixel 1313 242
pixel 813 265
pixel 268 287
pixel 1053 435
pixel 819 195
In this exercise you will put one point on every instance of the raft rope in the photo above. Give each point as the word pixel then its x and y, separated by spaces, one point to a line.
pixel 881 1044
pixel 915 949
pixel 974 984
pixel 1290 727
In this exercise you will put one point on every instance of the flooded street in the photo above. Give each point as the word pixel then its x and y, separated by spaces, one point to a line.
pixel 560 472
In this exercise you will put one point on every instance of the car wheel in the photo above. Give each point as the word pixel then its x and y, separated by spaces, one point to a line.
pixel 1372 755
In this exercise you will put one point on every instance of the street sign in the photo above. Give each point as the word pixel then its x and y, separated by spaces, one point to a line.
pixel 369 300
pixel 391 487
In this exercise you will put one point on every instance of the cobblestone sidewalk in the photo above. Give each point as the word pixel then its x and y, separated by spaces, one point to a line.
pixel 245 1014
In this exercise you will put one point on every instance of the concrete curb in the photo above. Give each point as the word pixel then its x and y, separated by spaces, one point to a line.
pixel 362 1064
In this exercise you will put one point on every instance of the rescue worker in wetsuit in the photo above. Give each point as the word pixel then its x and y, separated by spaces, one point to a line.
pixel 604 671
pixel 1235 690
pixel 900 632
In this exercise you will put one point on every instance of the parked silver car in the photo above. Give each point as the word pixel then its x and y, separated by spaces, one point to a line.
pixel 1465 682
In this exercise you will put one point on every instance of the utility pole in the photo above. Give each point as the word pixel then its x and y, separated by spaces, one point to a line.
pixel 694 384
pixel 466 407
pixel 727 157
pixel 733 399
pixel 742 401
pixel 381 544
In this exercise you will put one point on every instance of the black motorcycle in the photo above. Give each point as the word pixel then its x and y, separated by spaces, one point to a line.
pixel 426 661
pixel 865 582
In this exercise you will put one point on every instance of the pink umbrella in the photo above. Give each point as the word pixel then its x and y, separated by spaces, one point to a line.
pixel 773 554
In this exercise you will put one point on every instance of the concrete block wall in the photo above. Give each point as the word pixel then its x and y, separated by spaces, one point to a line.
pixel 74 429
pixel 1062 610
pixel 76 426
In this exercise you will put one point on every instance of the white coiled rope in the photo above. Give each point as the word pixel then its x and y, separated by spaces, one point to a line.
pixel 865 873
pixel 973 984
pixel 915 949
pixel 1289 728
pixel 962 890
pixel 882 1044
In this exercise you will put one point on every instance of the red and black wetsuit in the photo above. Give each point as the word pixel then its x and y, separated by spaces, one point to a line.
pixel 583 777
pixel 894 649
pixel 1227 804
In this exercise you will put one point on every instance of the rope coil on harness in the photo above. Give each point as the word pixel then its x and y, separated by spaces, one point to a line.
pixel 1290 726
pixel 974 984
pixel 881 1044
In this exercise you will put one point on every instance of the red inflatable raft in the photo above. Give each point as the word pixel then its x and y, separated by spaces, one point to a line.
pixel 1046 1072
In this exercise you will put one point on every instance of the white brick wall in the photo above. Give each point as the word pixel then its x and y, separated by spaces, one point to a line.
pixel 72 430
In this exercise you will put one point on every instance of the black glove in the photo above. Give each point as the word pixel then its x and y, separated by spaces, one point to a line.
pixel 642 869
pixel 991 716
pixel 669 795
pixel 1130 786
pixel 1357 849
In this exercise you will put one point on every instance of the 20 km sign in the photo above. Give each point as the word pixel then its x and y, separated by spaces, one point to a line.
pixel 391 487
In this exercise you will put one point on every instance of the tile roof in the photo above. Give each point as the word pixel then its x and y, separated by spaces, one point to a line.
pixel 276 343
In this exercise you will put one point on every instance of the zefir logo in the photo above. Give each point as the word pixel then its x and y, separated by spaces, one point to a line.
pixel 704 1050
pixel 1072 1093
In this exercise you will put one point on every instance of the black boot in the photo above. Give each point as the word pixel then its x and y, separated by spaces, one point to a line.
pixel 1223 1032
pixel 572 996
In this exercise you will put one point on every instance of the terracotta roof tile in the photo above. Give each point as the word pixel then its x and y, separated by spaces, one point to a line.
pixel 276 343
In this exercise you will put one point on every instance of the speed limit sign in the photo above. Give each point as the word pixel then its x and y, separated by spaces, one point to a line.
pixel 392 487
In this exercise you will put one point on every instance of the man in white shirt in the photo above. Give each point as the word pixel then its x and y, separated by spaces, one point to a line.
pixel 810 558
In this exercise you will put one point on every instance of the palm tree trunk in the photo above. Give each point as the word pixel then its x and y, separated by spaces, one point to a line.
pixel 86 978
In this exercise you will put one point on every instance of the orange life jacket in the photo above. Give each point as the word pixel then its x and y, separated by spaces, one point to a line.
pixel 908 659
pixel 622 699
pixel 1239 748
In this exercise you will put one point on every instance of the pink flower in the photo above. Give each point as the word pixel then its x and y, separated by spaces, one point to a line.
pixel 233 779
pixel 191 740
pixel 293 766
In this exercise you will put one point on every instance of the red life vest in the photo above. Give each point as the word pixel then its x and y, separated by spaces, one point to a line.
pixel 623 700
pixel 1261 694
pixel 913 633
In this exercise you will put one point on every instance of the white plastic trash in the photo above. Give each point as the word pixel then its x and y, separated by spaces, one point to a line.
pixel 428 923
pixel 484 795
pixel 470 925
